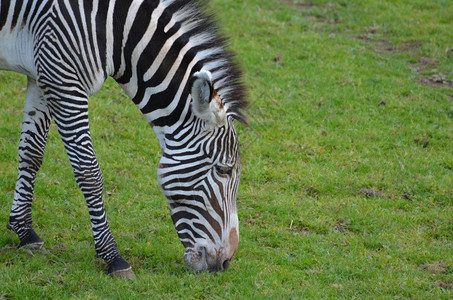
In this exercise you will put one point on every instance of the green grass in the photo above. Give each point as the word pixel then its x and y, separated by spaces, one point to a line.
pixel 347 186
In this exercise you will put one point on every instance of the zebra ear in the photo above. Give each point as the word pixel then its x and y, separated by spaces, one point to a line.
pixel 206 103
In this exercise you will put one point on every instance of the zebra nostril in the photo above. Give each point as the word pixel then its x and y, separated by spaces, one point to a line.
pixel 225 264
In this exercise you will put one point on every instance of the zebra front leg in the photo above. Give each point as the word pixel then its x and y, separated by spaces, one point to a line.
pixel 35 128
pixel 74 129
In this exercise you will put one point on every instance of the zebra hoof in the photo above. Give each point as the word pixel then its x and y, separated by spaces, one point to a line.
pixel 121 269
pixel 31 241
pixel 39 246
pixel 128 274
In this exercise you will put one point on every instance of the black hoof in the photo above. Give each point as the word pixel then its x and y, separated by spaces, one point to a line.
pixel 121 269
pixel 30 241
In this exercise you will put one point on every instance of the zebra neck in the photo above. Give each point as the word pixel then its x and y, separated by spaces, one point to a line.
pixel 156 47
pixel 163 132
pixel 165 104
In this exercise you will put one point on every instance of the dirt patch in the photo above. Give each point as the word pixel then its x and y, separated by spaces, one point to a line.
pixel 409 46
pixel 306 5
pixel 437 267
pixel 406 196
pixel 425 67
pixel 429 75
pixel 341 226
pixel 319 13
pixel 382 46
pixel 371 192
pixel 59 247
pixel 436 80
pixel 312 192
pixel 445 285
pixel 425 63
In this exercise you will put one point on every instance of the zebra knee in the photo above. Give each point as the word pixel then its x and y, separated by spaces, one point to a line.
pixel 89 180
pixel 30 157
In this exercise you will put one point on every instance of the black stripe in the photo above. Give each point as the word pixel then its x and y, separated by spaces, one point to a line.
pixel 101 27
pixel 119 19
pixel 27 11
pixel 4 8
pixel 17 9
pixel 88 7
pixel 205 230
pixel 138 29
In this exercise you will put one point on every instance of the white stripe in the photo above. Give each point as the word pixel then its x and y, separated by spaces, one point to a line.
pixel 132 86
pixel 109 38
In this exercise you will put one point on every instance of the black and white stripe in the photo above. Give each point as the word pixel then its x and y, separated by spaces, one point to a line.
pixel 170 59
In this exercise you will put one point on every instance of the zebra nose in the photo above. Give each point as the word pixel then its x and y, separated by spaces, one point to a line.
pixel 220 266
pixel 226 265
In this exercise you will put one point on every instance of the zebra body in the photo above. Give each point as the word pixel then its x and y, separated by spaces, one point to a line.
pixel 170 60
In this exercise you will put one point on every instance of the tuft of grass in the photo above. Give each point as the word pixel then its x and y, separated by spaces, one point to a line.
pixel 347 186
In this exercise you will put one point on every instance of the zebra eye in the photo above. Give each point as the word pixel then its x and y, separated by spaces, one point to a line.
pixel 224 169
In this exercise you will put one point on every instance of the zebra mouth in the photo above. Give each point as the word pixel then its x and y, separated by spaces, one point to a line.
pixel 200 260
pixel 196 259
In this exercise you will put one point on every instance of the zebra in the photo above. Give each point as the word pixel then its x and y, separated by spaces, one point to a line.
pixel 171 60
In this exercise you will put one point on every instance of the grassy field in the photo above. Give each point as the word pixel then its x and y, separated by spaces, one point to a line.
pixel 347 186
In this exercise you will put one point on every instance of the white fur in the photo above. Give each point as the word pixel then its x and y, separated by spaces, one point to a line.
pixel 209 110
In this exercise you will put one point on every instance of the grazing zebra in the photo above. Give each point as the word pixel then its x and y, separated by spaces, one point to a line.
pixel 169 58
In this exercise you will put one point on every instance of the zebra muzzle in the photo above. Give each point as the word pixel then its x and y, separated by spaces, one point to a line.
pixel 202 259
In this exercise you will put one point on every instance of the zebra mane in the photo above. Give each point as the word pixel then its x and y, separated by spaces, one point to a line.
pixel 226 73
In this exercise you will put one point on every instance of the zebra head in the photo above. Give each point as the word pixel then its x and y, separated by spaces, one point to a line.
pixel 199 174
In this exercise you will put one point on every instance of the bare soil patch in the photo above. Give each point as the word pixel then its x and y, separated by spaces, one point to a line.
pixel 436 80
pixel 371 192
pixel 425 67
pixel 437 267
pixel 429 74
pixel 306 5
pixel 382 46
pixel 445 285
pixel 341 226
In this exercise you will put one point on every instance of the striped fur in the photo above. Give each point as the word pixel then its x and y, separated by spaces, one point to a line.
pixel 153 49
